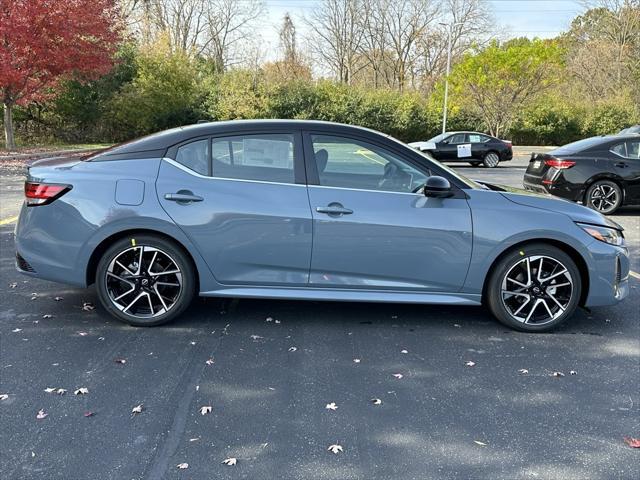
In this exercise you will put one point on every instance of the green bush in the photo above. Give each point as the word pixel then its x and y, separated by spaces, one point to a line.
pixel 546 124
pixel 609 118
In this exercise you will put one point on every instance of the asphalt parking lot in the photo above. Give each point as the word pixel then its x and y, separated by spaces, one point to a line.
pixel 268 370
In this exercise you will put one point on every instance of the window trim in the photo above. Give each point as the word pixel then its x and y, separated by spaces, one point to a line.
pixel 626 150
pixel 313 179
pixel 299 168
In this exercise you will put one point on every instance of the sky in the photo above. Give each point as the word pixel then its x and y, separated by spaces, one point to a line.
pixel 530 18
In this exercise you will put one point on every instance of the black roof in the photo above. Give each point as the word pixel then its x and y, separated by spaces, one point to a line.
pixel 157 143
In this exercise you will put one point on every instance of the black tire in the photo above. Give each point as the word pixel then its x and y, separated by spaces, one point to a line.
pixel 604 196
pixel 491 159
pixel 475 164
pixel 504 306
pixel 130 247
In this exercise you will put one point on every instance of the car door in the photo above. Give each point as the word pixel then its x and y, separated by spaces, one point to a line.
pixel 242 200
pixel 626 164
pixel 371 231
pixel 478 143
pixel 448 148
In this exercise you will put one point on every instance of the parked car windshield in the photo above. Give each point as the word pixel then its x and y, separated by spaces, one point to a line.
pixel 438 138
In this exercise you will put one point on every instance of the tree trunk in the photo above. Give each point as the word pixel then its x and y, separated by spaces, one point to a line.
pixel 10 141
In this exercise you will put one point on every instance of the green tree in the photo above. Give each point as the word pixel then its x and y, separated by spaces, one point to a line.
pixel 500 80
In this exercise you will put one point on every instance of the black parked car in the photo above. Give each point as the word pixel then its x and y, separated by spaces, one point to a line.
pixel 472 147
pixel 601 172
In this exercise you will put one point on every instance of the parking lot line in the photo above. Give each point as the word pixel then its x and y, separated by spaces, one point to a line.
pixel 8 220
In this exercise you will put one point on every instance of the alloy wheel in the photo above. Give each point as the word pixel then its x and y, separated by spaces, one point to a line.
pixel 604 198
pixel 537 290
pixel 491 160
pixel 143 281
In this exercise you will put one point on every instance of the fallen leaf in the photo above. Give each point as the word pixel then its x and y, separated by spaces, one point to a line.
pixel 49 390
pixel 47 315
pixel 89 414
pixel 523 371
pixel 57 299
pixel 470 363
pixel 478 442
pixel 13 285
pixel 376 401
pixel 81 391
pixel 335 448
pixel 356 360
pixel 398 375
pixel 456 325
pixel 632 442
pixel 277 322
pixel 209 362
pixel 193 343
pixel 83 334
pixel 557 374
pixel 404 351
pixel 331 406
pixel 182 466
pixel 88 306
pixel 573 372
pixel 41 414
pixel 4 396
pixel 16 330
pixel 256 337
pixel 137 409
pixel 194 439
pixel 121 361
pixel 293 349
pixel 205 409
pixel 61 391
pixel 230 461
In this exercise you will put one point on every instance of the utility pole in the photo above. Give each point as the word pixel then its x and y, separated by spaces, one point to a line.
pixel 450 28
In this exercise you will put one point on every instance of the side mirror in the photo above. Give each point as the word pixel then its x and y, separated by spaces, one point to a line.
pixel 437 187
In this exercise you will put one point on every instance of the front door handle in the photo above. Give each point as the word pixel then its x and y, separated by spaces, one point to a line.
pixel 183 196
pixel 621 165
pixel 334 210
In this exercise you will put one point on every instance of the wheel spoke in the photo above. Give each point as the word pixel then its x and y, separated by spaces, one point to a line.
pixel 546 279
pixel 168 284
pixel 556 301
pixel 515 314
pixel 124 268
pixel 133 302
pixel 155 288
pixel 533 309
pixel 512 280
pixel 140 260
pixel 150 303
pixel 164 273
pixel 153 259
pixel 120 278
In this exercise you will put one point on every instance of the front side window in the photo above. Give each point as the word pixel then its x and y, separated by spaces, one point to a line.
pixel 264 157
pixel 195 156
pixel 350 163
pixel 456 138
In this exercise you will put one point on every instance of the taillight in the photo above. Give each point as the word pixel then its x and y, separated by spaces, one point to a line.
pixel 43 193
pixel 559 164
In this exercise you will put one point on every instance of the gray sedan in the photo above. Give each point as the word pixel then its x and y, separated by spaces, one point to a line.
pixel 307 210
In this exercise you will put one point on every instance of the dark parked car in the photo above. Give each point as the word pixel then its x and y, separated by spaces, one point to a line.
pixel 472 147
pixel 601 172
pixel 307 210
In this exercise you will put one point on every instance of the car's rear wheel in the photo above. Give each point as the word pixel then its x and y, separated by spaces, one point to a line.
pixel 534 288
pixel 604 196
pixel 145 280
pixel 491 160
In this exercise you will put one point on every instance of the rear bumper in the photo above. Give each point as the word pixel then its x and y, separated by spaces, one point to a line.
pixel 559 188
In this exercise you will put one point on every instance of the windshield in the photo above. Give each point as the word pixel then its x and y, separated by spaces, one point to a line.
pixel 438 138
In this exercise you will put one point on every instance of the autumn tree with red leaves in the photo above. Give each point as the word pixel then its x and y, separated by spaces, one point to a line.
pixel 43 41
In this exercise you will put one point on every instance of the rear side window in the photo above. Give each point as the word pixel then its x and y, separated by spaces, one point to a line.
pixel 629 149
pixel 195 156
pixel 477 138
pixel 265 157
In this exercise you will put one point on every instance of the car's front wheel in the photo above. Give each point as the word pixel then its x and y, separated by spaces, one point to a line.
pixel 145 280
pixel 534 288
pixel 604 196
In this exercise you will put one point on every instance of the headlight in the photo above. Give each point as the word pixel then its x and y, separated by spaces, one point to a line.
pixel 604 234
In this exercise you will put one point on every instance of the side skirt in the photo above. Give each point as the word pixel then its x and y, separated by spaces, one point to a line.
pixel 346 295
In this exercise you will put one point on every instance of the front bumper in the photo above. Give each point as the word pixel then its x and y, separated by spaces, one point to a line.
pixel 608 274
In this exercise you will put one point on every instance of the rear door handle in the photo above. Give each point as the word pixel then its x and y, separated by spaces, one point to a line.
pixel 621 165
pixel 182 197
pixel 334 209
